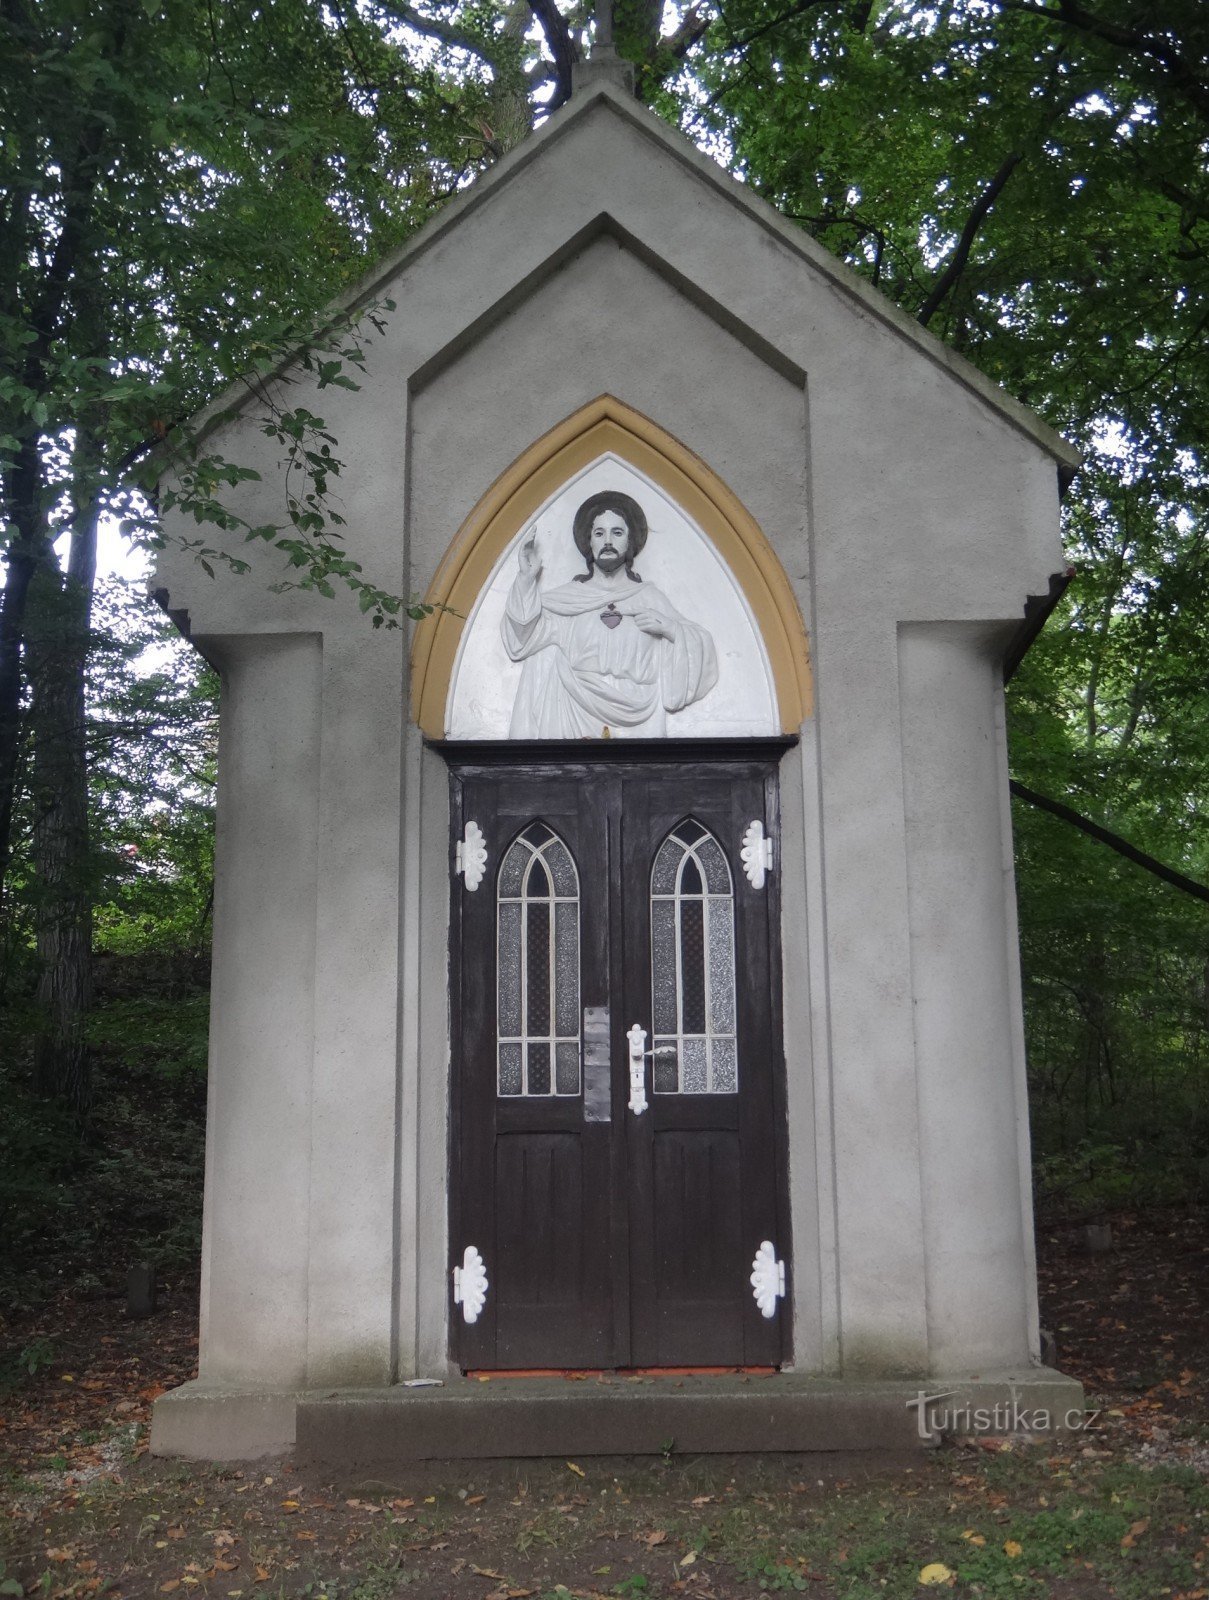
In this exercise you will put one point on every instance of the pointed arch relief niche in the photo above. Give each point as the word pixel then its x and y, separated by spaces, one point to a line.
pixel 609 586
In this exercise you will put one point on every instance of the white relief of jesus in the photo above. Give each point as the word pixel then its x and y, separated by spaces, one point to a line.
pixel 606 653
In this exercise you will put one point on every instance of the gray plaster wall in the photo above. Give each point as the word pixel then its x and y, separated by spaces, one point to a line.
pixel 967 1044
pixel 913 514
pixel 254 1290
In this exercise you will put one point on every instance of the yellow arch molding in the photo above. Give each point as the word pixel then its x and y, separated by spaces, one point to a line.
pixel 607 425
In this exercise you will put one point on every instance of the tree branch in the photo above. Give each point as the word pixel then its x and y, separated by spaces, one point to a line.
pixel 798 10
pixel 1113 840
pixel 1186 75
pixel 560 45
pixel 961 255
pixel 694 25
pixel 436 28
pixel 863 228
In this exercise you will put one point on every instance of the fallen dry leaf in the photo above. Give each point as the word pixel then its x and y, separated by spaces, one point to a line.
pixel 578 1471
pixel 934 1574
pixel 1012 1548
pixel 652 1539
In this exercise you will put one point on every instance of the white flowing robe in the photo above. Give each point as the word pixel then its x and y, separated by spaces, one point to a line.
pixel 582 676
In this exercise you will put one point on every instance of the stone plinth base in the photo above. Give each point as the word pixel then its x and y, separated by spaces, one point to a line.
pixel 506 1417
pixel 211 1422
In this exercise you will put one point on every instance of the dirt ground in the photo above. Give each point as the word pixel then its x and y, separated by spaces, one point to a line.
pixel 1121 1510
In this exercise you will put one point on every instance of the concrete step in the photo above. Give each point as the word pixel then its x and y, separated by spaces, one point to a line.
pixel 610 1415
pixel 613 1414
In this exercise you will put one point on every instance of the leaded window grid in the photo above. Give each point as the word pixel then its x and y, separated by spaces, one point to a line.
pixel 537 876
pixel 691 877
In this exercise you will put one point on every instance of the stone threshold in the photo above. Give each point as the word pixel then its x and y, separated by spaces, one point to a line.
pixel 468 1419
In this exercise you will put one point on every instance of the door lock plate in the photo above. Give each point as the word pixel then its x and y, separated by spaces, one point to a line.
pixel 597 1088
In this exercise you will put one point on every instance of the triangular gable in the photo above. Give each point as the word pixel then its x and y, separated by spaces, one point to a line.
pixel 751 212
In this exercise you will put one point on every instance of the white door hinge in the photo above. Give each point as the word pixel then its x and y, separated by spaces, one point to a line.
pixel 767 1279
pixel 470 1284
pixel 470 856
pixel 756 854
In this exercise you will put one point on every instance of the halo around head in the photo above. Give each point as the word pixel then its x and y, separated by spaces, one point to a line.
pixel 628 508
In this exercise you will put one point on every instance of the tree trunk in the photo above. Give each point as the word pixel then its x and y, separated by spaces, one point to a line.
pixel 26 553
pixel 57 638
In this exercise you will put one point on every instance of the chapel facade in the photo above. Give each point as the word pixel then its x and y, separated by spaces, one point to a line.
pixel 617 972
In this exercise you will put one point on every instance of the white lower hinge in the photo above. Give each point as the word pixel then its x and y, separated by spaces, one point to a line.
pixel 470 856
pixel 756 854
pixel 767 1279
pixel 470 1284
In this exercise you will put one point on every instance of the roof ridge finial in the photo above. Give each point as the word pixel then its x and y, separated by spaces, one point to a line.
pixel 602 44
pixel 603 65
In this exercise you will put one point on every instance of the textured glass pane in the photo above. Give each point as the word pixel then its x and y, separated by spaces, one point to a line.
pixel 537 968
pixel 663 964
pixel 665 1073
pixel 717 873
pixel 537 884
pixel 720 915
pixel 725 1065
pixel 566 1068
pixel 663 876
pixel 690 878
pixel 513 870
pixel 692 966
pixel 692 1075
pixel 562 868
pixel 539 1069
pixel 510 1069
pixel 508 1019
pixel 566 969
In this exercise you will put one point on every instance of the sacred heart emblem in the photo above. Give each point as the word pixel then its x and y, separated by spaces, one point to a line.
pixel 611 617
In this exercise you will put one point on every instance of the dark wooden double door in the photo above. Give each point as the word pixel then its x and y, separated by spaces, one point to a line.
pixel 617 1129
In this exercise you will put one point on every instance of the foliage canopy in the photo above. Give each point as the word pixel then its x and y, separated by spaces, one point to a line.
pixel 183 188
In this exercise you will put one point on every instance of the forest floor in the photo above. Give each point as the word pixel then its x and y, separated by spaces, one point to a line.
pixel 1121 1510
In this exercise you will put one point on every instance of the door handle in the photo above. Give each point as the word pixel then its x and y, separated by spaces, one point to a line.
pixel 638 1055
